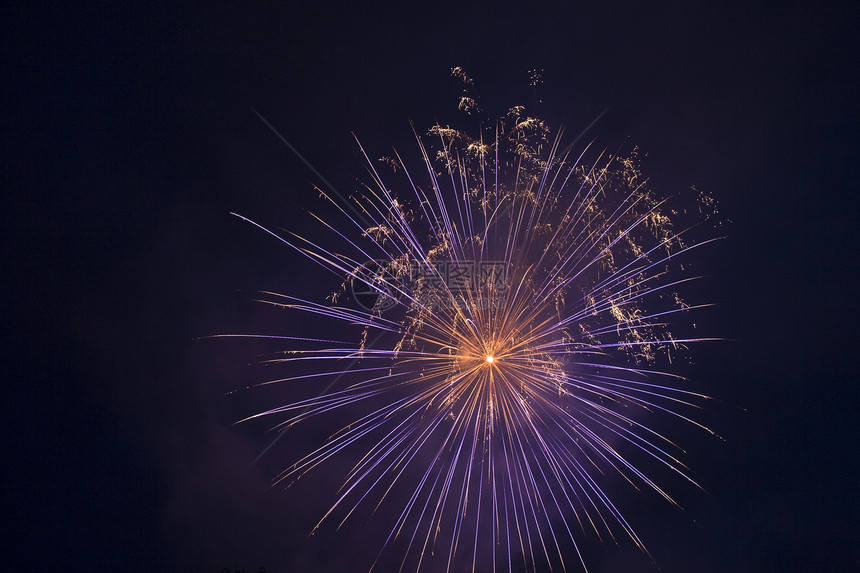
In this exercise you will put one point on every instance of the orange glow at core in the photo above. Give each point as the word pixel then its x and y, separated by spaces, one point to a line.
pixel 489 359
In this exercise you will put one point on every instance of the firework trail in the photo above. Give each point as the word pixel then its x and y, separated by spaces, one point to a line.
pixel 508 365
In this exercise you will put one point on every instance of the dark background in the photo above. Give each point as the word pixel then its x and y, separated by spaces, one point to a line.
pixel 128 137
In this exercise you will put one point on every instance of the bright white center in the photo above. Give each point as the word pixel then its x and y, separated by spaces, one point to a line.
pixel 489 359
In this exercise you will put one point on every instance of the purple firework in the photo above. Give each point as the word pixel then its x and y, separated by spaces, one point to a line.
pixel 515 306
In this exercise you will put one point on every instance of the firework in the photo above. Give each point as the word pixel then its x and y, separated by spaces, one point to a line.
pixel 515 306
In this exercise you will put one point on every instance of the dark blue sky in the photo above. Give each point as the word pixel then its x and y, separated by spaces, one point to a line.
pixel 128 136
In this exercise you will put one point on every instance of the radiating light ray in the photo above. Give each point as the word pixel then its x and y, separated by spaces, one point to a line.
pixel 496 408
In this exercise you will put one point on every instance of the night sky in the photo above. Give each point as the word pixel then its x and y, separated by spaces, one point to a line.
pixel 128 135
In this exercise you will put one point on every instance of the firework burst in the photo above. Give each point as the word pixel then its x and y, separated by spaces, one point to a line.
pixel 515 308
